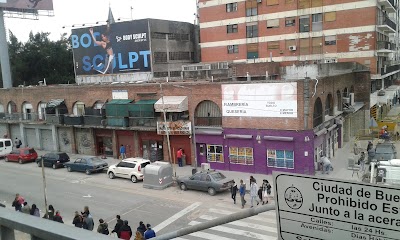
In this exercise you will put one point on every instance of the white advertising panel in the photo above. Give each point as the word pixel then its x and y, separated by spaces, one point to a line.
pixel 119 94
pixel 260 100
pixel 317 208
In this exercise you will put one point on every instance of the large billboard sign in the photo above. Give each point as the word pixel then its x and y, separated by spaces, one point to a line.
pixel 260 100
pixel 318 208
pixel 27 4
pixel 116 48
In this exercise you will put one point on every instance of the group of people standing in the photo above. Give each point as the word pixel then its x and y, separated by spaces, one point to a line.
pixel 124 231
pixel 261 193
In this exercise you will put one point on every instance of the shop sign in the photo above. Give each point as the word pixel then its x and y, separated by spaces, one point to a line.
pixel 174 128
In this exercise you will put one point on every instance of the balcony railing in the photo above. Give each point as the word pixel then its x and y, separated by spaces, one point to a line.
pixel 389 5
pixel 23 117
pixel 385 20
pixel 389 69
pixel 208 121
pixel 384 45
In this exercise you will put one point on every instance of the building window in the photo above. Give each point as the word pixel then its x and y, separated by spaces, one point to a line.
pixel 290 43
pixel 280 159
pixel 304 46
pixel 158 35
pixel 252 55
pixel 178 36
pixel 272 2
pixel 175 74
pixel 274 23
pixel 215 153
pixel 251 12
pixel 304 4
pixel 273 45
pixel 317 45
pixel 290 21
pixel 160 74
pixel 330 40
pixel 252 31
pixel 179 56
pixel 317 22
pixel 316 3
pixel 233 49
pixel 241 155
pixel 330 16
pixel 232 28
pixel 231 7
pixel 304 24
pixel 160 57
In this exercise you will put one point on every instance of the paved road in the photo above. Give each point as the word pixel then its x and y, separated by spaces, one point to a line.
pixel 167 210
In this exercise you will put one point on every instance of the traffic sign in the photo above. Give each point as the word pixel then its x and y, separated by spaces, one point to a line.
pixel 319 208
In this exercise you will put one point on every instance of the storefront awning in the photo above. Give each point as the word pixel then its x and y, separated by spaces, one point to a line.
pixel 172 104
pixel 142 108
pixel 119 101
pixel 55 103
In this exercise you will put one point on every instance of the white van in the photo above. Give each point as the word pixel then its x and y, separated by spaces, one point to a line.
pixel 6 146
pixel 389 172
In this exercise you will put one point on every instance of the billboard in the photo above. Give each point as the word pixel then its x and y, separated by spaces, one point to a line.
pixel 112 49
pixel 260 100
pixel 27 4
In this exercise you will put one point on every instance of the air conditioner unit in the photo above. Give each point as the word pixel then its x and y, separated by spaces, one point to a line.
pixel 259 1
pixel 351 95
pixel 292 48
pixel 346 100
pixel 205 166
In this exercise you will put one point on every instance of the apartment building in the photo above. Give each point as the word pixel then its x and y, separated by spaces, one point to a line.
pixel 304 31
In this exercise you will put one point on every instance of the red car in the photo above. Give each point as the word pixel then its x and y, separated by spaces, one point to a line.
pixel 22 155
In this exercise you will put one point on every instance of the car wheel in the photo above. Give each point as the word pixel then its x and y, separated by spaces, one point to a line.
pixel 54 166
pixel 69 169
pixel 134 179
pixel 183 187
pixel 6 159
pixel 20 161
pixel 39 164
pixel 87 171
pixel 211 191
pixel 111 175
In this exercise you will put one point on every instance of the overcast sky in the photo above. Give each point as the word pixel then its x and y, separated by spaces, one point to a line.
pixel 78 12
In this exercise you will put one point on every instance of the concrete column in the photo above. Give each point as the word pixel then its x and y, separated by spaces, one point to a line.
pixel 114 143
pixel 73 141
pixel 22 133
pixel 38 137
pixel 136 147
pixel 54 134
pixel 6 233
pixel 4 57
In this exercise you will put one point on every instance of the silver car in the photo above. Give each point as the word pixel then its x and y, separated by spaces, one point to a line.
pixel 209 181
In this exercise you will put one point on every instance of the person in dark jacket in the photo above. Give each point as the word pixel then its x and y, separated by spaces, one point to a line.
pixel 149 232
pixel 118 225
pixel 86 210
pixel 58 217
pixel 50 213
pixel 78 220
pixel 17 205
pixel 142 228
pixel 103 227
pixel 35 211
pixel 234 189
pixel 87 222
pixel 125 231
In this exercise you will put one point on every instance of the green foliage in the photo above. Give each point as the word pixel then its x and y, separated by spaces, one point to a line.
pixel 40 58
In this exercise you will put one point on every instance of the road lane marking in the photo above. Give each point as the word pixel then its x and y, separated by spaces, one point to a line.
pixel 258 217
pixel 208 236
pixel 176 216
pixel 243 224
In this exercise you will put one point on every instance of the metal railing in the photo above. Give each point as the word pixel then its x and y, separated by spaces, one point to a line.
pixel 208 121
pixel 381 45
pixel 385 20
pixel 389 69
pixel 25 117
pixel 41 229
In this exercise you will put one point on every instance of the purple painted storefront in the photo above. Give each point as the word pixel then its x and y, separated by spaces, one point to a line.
pixel 257 143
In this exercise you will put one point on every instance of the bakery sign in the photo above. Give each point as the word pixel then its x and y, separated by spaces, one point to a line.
pixel 174 128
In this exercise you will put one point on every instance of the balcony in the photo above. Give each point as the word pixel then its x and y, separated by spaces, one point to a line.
pixel 386 24
pixel 208 121
pixel 21 117
pixel 143 122
pixel 389 70
pixel 389 5
pixel 383 48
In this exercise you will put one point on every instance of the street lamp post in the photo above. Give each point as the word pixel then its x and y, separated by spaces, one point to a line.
pixel 166 126
pixel 44 187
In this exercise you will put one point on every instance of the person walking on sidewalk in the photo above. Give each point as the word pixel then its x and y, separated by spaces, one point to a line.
pixel 179 154
pixel 266 191
pixel 242 192
pixel 234 189
pixel 253 192
pixel 122 152
pixel 326 164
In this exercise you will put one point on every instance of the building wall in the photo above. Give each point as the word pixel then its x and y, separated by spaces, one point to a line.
pixel 65 139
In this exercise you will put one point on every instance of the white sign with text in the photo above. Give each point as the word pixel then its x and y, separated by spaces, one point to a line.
pixel 317 208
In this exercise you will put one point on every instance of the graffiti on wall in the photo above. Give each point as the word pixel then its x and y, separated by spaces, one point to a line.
pixel 84 140
pixel 65 139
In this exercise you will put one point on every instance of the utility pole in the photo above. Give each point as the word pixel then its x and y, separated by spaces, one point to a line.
pixel 166 128
pixel 44 188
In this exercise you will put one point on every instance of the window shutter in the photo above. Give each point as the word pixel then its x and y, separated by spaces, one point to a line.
pixel 330 16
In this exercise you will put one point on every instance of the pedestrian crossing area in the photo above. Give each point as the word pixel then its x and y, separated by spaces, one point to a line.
pixel 261 226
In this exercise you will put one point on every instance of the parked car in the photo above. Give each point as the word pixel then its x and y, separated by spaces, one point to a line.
pixel 22 155
pixel 385 151
pixel 87 165
pixel 210 181
pixel 130 168
pixel 53 159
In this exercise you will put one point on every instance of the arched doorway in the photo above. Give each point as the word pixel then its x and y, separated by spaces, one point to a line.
pixel 329 110
pixel 208 113
pixel 27 110
pixel 318 115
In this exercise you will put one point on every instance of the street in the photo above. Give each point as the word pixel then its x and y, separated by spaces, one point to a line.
pixel 166 210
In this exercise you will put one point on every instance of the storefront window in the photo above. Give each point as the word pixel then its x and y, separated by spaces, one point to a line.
pixel 280 159
pixel 215 153
pixel 241 155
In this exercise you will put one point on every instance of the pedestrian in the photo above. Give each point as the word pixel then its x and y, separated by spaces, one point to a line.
pixel 86 210
pixel 103 227
pixel 142 228
pixel 326 164
pixel 370 145
pixel 26 208
pixel 118 225
pixel 17 206
pixel 149 232
pixel 253 192
pixel 35 211
pixel 242 192
pixel 50 213
pixel 87 222
pixel 20 199
pixel 361 161
pixel 122 152
pixel 78 220
pixel 251 179
pixel 234 189
pixel 18 143
pixel 179 154
pixel 266 191
pixel 138 236
pixel 58 217
pixel 125 231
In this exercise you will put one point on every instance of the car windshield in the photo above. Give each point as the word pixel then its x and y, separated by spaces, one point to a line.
pixel 384 149
pixel 217 176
